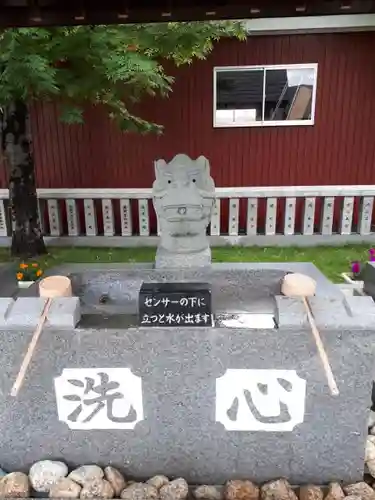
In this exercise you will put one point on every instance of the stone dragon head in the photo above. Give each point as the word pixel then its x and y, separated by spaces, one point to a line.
pixel 183 195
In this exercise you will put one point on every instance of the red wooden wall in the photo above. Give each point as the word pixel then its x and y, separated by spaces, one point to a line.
pixel 338 149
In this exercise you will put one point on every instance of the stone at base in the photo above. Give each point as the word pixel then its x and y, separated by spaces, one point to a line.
pixel 175 490
pixel 86 474
pixel 207 492
pixel 65 488
pixel 45 473
pixel 335 492
pixel 116 479
pixel 361 489
pixel 165 259
pixel 158 481
pixel 15 485
pixel 138 491
pixel 238 489
pixel 97 488
pixel 278 490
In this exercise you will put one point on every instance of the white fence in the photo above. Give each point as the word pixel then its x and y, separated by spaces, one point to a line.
pixel 302 215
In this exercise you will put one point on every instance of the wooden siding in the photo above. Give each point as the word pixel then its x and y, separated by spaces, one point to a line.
pixel 338 149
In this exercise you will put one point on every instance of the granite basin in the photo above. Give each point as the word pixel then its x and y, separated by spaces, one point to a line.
pixel 111 292
pixel 193 401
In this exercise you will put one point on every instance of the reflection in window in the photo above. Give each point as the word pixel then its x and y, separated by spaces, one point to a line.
pixel 288 94
pixel 240 92
pixel 261 96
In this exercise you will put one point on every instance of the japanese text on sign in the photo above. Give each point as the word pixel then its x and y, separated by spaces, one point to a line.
pixel 176 319
pixel 183 301
pixel 175 304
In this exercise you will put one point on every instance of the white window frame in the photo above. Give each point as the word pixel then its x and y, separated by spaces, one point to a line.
pixel 266 123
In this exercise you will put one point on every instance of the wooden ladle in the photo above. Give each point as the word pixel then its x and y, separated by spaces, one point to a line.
pixel 49 288
pixel 300 285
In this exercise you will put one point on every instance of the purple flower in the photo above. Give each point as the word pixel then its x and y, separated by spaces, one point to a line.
pixel 356 267
pixel 372 254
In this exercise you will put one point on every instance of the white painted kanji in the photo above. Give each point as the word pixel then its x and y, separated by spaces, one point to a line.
pixel 327 215
pixel 347 215
pixel 367 205
pixel 260 400
pixel 144 228
pixel 233 216
pixel 308 216
pixel 99 398
pixel 271 216
pixel 126 218
pixel 54 217
pixel 72 217
pixel 290 216
pixel 215 218
pixel 108 220
pixel 252 216
pixel 90 217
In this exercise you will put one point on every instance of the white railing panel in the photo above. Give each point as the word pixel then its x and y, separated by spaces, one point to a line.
pixel 295 191
pixel 327 215
pixel 347 215
pixel 252 216
pixel 290 216
pixel 143 216
pixel 41 215
pixel 215 218
pixel 3 220
pixel 72 217
pixel 365 214
pixel 90 217
pixel 126 217
pixel 271 216
pixel 220 192
pixel 363 195
pixel 108 219
pixel 54 217
pixel 308 216
pixel 233 222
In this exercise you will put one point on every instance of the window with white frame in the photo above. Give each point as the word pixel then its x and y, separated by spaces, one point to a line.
pixel 246 96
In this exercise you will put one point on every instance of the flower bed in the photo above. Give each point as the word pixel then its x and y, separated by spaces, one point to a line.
pixel 28 273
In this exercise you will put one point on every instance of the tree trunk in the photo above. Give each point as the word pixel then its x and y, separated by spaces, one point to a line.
pixel 27 239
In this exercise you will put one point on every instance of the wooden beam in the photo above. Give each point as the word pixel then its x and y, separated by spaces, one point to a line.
pixel 66 12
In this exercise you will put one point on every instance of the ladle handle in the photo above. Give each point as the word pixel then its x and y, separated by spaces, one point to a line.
pixel 30 351
pixel 322 353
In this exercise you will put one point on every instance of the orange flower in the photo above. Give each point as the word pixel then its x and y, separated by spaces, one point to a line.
pixel 39 273
pixel 34 265
pixel 19 276
pixel 23 266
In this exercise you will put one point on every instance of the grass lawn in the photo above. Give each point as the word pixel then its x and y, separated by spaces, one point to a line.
pixel 331 260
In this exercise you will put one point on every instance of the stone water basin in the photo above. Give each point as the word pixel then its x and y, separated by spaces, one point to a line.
pixel 194 415
pixel 240 292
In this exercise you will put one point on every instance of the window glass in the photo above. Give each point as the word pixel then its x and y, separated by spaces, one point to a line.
pixel 240 92
pixel 265 95
pixel 288 94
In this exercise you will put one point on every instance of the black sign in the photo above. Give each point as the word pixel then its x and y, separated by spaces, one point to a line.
pixel 175 304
